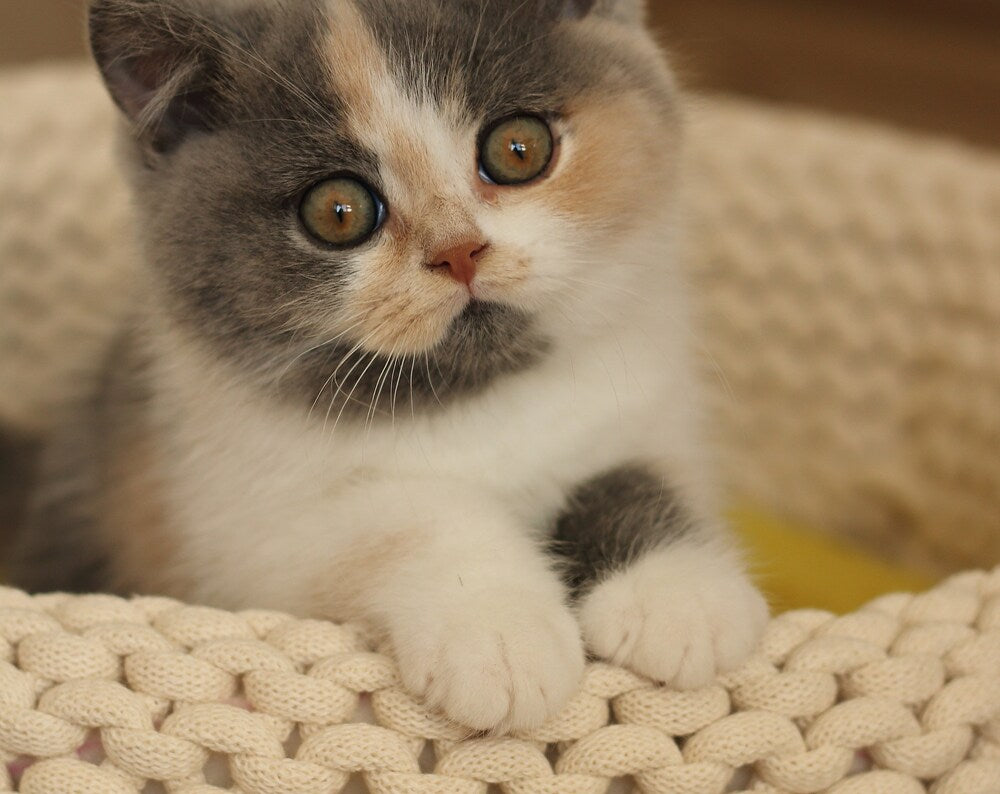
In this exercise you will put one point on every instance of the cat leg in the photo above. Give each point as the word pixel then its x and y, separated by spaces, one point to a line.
pixel 657 589
pixel 469 603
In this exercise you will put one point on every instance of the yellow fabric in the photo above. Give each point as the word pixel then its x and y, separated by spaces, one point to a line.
pixel 800 567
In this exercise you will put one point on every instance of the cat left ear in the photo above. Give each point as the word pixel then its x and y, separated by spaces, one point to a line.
pixel 632 12
pixel 160 62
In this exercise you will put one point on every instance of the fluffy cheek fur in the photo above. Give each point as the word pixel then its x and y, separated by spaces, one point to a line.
pixel 620 150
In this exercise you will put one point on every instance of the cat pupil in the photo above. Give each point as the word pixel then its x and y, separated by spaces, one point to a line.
pixel 520 149
pixel 342 210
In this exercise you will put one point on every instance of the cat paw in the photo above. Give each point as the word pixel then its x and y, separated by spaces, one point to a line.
pixel 680 615
pixel 494 662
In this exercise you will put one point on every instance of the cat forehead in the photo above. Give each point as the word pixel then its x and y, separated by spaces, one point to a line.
pixel 341 82
pixel 372 65
pixel 485 55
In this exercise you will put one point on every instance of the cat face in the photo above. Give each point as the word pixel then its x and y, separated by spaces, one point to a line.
pixel 334 189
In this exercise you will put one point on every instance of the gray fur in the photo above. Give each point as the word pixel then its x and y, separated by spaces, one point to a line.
pixel 19 452
pixel 613 519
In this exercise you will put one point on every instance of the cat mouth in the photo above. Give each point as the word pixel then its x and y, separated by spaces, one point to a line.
pixel 483 320
pixel 480 309
pixel 471 305
pixel 477 307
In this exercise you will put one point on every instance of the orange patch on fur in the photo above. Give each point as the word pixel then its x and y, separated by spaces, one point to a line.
pixel 356 64
pixel 616 154
pixel 362 77
pixel 498 279
pixel 341 591
pixel 134 520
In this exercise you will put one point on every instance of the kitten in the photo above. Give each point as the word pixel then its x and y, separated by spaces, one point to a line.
pixel 411 346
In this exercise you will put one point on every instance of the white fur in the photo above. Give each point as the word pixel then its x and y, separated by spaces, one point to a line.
pixel 681 614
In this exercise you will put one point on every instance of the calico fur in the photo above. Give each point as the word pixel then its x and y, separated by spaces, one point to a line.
pixel 497 478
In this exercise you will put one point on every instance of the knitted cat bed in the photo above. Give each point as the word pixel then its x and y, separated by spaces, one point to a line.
pixel 851 295
pixel 100 694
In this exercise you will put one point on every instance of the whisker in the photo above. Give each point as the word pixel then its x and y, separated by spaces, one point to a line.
pixel 374 358
pixel 430 380
pixel 395 390
pixel 413 410
pixel 377 393
pixel 315 347
pixel 333 374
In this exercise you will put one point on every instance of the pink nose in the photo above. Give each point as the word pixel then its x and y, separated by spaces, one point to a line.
pixel 460 260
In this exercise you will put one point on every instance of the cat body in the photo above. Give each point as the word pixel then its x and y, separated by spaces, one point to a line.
pixel 475 424
pixel 272 472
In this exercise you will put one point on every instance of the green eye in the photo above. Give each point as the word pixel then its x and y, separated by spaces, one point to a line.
pixel 342 211
pixel 515 150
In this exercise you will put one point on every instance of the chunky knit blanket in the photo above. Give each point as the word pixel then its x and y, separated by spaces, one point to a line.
pixel 100 694
pixel 850 287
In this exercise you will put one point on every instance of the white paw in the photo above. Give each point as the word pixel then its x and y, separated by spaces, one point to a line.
pixel 495 661
pixel 680 615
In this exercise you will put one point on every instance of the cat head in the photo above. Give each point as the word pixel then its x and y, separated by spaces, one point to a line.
pixel 333 184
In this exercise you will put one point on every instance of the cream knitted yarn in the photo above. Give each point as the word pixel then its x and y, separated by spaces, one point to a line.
pixel 99 694
pixel 850 280
pixel 65 253
pixel 849 276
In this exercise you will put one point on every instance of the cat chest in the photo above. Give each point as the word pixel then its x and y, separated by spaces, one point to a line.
pixel 529 440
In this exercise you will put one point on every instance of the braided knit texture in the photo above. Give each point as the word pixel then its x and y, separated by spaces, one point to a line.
pixel 66 255
pixel 100 694
pixel 849 281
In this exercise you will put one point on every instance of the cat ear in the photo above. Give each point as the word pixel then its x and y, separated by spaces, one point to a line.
pixel 160 62
pixel 632 12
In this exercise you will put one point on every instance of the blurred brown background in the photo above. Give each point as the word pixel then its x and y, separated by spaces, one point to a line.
pixel 927 64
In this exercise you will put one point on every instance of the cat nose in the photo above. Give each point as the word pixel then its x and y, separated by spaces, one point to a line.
pixel 460 260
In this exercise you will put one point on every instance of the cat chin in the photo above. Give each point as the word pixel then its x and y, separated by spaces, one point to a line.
pixel 471 315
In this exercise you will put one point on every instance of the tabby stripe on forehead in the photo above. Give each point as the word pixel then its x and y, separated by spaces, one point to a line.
pixel 357 66
pixel 378 112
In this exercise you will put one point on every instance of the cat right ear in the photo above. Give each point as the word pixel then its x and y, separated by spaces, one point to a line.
pixel 161 64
